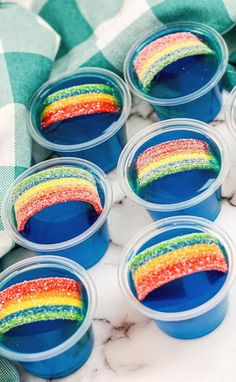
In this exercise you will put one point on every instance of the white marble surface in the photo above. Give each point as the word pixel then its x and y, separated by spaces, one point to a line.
pixel 129 347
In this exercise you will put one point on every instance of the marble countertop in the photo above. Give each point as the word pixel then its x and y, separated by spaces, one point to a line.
pixel 129 347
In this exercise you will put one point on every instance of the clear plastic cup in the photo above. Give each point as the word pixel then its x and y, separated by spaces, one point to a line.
pixel 230 114
pixel 190 87
pixel 50 349
pixel 201 318
pixel 98 138
pixel 57 234
pixel 186 193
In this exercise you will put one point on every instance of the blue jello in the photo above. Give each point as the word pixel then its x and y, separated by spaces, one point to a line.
pixel 97 137
pixel 187 306
pixel 24 343
pixel 190 87
pixel 188 291
pixel 192 189
pixel 185 293
pixel 182 186
pixel 70 228
pixel 65 221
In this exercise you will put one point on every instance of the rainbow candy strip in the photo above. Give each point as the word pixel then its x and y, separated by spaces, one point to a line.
pixel 172 157
pixel 42 299
pixel 52 186
pixel 175 258
pixel 77 101
pixel 164 51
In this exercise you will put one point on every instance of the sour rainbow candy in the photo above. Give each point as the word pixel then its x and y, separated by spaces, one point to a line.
pixel 175 258
pixel 52 186
pixel 172 157
pixel 164 51
pixel 42 299
pixel 79 100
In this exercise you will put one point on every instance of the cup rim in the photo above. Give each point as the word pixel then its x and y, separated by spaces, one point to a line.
pixel 159 227
pixel 115 126
pixel 230 121
pixel 72 267
pixel 161 127
pixel 7 205
pixel 191 96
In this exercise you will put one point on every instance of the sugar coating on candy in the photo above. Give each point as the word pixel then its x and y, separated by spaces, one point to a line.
pixel 77 101
pixel 40 300
pixel 52 186
pixel 172 259
pixel 165 50
pixel 173 157
pixel 40 314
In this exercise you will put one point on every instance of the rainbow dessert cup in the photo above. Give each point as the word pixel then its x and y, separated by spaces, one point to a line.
pixel 60 207
pixel 175 167
pixel 82 115
pixel 47 307
pixel 178 272
pixel 178 70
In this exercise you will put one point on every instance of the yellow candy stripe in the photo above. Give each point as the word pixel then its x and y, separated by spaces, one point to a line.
pixel 54 185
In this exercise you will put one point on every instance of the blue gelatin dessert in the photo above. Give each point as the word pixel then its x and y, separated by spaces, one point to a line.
pixel 175 168
pixel 175 275
pixel 83 115
pixel 178 71
pixel 61 208
pixel 41 309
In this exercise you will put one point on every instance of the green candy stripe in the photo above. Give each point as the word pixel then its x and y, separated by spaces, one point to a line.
pixel 171 245
pixel 173 168
pixel 77 90
pixel 50 174
pixel 36 317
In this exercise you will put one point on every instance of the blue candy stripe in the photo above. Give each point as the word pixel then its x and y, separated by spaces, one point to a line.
pixel 179 166
pixel 172 57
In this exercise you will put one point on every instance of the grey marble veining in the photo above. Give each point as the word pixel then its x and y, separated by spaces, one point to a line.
pixel 129 347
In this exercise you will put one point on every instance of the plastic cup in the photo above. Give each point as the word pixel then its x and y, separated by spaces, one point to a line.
pixel 50 349
pixel 191 306
pixel 190 87
pixel 72 229
pixel 99 137
pixel 230 114
pixel 193 192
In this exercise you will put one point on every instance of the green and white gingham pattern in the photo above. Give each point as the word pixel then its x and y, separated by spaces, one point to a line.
pixel 28 47
pixel 100 32
pixel 93 33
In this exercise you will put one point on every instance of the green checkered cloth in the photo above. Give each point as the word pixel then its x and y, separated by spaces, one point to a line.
pixel 100 32
pixel 28 46
pixel 8 372
pixel 93 33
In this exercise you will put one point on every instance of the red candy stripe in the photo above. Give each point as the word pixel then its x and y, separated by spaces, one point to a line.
pixel 162 43
pixel 77 110
pixel 40 202
pixel 166 149
pixel 51 284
